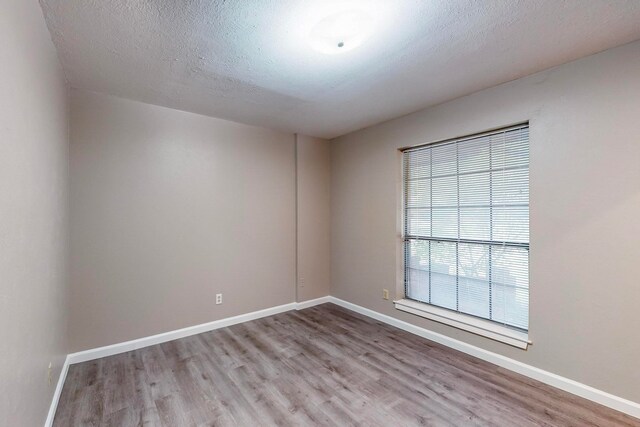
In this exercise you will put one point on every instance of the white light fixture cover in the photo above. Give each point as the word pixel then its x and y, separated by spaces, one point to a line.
pixel 341 32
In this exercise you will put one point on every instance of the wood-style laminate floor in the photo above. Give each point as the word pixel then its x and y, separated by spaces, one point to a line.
pixel 320 366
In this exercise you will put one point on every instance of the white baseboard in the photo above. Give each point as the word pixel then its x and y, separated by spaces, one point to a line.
pixel 310 303
pixel 56 394
pixel 574 387
pixel 110 350
pixel 571 386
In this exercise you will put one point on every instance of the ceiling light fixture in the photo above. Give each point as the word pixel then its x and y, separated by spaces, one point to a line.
pixel 341 32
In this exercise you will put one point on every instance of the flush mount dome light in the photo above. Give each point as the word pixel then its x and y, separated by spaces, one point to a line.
pixel 341 32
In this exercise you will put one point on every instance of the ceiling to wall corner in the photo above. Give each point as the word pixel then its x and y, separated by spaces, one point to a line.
pixel 251 61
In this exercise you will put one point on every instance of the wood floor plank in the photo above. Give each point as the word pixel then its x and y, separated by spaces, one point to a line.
pixel 322 366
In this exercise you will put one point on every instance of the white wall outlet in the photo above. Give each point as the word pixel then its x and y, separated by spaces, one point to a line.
pixel 218 299
pixel 385 294
pixel 49 373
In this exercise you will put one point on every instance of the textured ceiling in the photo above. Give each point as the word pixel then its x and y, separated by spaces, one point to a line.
pixel 249 61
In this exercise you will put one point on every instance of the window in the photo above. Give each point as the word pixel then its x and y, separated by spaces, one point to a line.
pixel 466 226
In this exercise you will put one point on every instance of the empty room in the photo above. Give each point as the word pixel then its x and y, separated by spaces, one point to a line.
pixel 319 213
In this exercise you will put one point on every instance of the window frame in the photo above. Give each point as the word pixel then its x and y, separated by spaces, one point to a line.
pixel 488 328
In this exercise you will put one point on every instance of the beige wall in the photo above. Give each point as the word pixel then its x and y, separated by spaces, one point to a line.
pixel 585 206
pixel 33 214
pixel 313 165
pixel 169 208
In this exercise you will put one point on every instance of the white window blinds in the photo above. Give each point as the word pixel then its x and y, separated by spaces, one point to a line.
pixel 466 225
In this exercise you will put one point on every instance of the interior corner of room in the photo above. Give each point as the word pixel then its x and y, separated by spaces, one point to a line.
pixel 197 202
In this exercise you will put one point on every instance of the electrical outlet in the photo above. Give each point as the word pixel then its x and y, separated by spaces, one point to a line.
pixel 49 374
pixel 385 294
pixel 218 299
